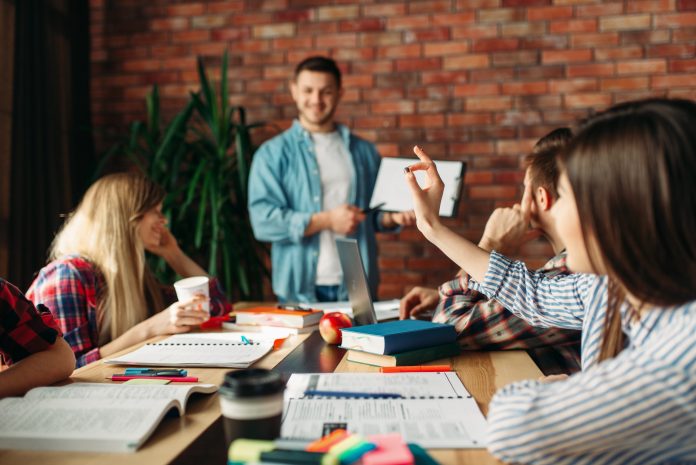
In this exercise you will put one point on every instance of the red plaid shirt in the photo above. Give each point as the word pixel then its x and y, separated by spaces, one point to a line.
pixel 485 324
pixel 70 287
pixel 24 328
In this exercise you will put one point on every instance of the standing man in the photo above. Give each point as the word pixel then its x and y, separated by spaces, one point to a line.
pixel 312 183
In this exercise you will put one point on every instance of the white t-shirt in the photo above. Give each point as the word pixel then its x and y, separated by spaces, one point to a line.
pixel 336 173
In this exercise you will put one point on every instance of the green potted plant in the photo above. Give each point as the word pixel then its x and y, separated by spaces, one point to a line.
pixel 202 158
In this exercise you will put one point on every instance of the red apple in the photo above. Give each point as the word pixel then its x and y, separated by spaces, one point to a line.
pixel 330 326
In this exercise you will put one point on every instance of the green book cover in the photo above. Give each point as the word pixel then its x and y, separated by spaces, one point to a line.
pixel 411 357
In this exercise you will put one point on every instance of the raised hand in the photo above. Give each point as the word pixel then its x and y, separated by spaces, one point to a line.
pixel 426 200
pixel 508 228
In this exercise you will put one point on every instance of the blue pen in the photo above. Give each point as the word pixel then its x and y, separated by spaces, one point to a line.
pixel 245 340
pixel 145 371
pixel 368 395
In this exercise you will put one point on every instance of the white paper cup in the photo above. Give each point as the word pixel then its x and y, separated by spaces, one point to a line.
pixel 188 288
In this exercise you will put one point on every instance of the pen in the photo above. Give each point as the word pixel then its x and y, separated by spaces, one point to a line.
pixel 154 372
pixel 174 379
pixel 415 368
pixel 375 395
pixel 376 207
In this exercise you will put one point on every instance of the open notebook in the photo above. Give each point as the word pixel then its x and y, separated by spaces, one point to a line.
pixel 225 350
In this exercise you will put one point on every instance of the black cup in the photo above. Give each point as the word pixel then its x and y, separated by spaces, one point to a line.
pixel 252 404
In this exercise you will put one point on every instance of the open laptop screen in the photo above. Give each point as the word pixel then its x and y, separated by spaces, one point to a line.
pixel 355 281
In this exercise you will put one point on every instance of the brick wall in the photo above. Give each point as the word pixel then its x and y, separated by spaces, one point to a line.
pixel 475 80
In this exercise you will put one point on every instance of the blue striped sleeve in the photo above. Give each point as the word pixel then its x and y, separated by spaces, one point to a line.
pixel 539 299
pixel 636 408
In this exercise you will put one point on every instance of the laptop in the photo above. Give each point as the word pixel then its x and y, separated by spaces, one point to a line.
pixel 355 281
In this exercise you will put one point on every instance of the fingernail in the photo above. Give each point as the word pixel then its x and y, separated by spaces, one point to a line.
pixel 417 147
pixel 407 170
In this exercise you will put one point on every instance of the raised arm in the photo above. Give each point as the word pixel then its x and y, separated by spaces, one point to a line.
pixel 471 258
pixel 540 300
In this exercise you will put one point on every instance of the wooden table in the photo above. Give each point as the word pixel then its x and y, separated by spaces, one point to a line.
pixel 197 437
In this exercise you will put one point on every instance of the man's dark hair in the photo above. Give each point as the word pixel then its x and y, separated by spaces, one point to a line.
pixel 320 64
pixel 542 163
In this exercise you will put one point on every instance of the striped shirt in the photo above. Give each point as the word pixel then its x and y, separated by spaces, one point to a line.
pixel 485 324
pixel 637 408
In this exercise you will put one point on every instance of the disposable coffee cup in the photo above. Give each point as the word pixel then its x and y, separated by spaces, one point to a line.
pixel 188 288
pixel 251 401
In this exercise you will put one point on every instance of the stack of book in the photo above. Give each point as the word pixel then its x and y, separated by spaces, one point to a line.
pixel 272 320
pixel 399 343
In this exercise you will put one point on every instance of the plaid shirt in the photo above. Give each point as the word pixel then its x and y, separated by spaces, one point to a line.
pixel 485 324
pixel 24 328
pixel 71 286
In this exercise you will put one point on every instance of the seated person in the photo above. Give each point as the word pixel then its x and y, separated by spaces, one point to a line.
pixel 30 345
pixel 98 285
pixel 625 209
pixel 485 324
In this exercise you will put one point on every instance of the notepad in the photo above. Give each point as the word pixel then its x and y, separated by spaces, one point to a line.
pixel 90 416
pixel 436 410
pixel 391 188
pixel 226 350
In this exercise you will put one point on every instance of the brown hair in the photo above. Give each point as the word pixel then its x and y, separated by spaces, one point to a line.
pixel 320 64
pixel 103 229
pixel 632 170
pixel 542 163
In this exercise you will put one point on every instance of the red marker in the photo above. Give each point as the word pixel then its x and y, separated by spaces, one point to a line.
pixel 415 368
pixel 173 379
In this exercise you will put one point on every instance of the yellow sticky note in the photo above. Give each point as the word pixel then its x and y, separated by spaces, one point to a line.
pixel 147 381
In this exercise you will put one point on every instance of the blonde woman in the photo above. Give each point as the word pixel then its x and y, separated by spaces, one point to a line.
pixel 98 285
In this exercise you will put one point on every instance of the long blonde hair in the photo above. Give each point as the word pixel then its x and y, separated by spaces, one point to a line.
pixel 103 230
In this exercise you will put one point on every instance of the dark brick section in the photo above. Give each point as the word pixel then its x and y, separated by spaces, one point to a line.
pixel 475 80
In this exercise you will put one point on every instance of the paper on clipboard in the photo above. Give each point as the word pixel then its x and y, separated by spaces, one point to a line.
pixel 392 190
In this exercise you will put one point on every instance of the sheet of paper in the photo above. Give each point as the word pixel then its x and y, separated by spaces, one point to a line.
pixel 431 423
pixel 438 385
pixel 436 410
pixel 392 190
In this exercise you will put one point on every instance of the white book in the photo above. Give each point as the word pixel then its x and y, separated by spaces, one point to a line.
pixel 90 417
pixel 226 350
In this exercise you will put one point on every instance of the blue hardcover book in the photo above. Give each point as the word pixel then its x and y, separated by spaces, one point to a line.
pixel 397 336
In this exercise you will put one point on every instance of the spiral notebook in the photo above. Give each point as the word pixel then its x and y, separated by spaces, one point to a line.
pixel 435 409
pixel 226 350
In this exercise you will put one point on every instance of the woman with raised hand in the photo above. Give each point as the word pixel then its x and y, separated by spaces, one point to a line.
pixel 98 285
pixel 627 214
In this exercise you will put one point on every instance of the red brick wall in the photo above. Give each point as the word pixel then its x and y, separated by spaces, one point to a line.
pixel 476 80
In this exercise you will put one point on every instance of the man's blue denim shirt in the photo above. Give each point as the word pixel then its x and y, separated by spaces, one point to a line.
pixel 284 192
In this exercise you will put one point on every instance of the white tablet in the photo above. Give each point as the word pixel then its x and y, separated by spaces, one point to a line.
pixel 392 191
